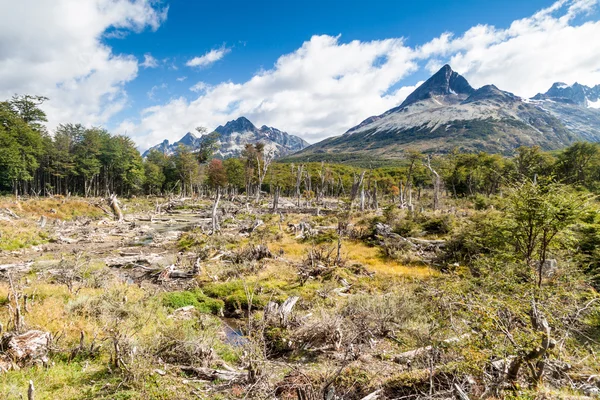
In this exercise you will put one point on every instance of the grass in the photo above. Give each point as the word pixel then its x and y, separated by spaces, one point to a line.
pixel 24 232
pixel 20 234
pixel 52 208
pixel 356 252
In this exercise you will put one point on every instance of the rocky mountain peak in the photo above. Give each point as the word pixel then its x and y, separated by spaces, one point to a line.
pixel 490 93
pixel 242 124
pixel 572 94
pixel 445 82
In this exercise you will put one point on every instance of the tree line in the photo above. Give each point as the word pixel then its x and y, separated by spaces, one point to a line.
pixel 86 161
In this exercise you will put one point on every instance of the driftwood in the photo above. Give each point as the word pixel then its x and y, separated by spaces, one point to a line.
pixel 407 356
pixel 17 267
pixel 17 351
pixel 136 260
pixel 372 396
pixel 209 374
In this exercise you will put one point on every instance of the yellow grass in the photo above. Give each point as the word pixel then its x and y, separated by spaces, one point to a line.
pixel 358 252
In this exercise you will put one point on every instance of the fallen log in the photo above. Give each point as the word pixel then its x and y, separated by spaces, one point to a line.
pixel 17 267
pixel 140 259
pixel 209 374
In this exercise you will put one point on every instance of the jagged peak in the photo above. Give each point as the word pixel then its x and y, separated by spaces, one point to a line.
pixel 444 82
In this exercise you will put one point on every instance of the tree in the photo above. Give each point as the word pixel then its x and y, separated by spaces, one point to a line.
pixel 216 174
pixel 21 146
pixel 575 162
pixel 209 144
pixel 27 107
pixel 537 213
pixel 188 169
pixel 234 168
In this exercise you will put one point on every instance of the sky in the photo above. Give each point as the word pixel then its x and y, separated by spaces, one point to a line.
pixel 155 70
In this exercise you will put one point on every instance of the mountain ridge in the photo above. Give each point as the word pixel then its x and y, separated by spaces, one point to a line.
pixel 233 137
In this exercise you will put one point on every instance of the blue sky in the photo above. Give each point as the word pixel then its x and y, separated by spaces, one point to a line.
pixel 155 70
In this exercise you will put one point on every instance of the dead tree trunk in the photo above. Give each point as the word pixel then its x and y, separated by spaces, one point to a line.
pixel 436 185
pixel 215 217
pixel 276 199
pixel 356 184
pixel 362 199
pixel 116 209
pixel 299 182
pixel 375 202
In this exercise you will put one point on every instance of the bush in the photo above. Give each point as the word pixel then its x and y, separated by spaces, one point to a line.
pixel 438 225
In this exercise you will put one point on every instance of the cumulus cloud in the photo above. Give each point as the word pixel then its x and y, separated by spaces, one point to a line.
pixel 208 58
pixel 321 89
pixel 528 56
pixel 149 61
pixel 55 49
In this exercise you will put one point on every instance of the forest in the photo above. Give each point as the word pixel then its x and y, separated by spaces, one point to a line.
pixel 459 275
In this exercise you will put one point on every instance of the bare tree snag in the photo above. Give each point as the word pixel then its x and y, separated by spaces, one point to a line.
pixel 30 391
pixel 299 173
pixel 114 205
pixel 215 217
pixel 276 199
pixel 436 185
pixel 356 184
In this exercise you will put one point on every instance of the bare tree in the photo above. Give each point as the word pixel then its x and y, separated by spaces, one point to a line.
pixel 215 218
pixel 436 184
pixel 299 182
pixel 356 184
pixel 263 161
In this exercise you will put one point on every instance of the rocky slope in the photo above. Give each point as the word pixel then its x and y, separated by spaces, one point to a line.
pixel 234 136
pixel 445 113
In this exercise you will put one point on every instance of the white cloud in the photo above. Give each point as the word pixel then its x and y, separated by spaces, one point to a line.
pixel 149 61
pixel 208 58
pixel 152 92
pixel 55 49
pixel 326 86
pixel 531 54
pixel 321 89
pixel 181 78
pixel 200 87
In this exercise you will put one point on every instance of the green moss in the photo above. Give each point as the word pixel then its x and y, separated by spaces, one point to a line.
pixel 203 303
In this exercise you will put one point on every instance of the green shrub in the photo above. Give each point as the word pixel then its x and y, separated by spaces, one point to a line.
pixel 438 225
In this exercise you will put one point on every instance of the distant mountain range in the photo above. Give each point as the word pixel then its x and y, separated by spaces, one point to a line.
pixel 442 114
pixel 234 136
pixel 445 112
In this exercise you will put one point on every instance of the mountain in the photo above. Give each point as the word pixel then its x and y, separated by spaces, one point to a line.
pixel 234 136
pixel 572 94
pixel 445 112
pixel 577 106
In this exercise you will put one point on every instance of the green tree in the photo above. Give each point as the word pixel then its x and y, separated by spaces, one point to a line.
pixel 188 169
pixel 21 146
pixel 234 168
pixel 536 214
